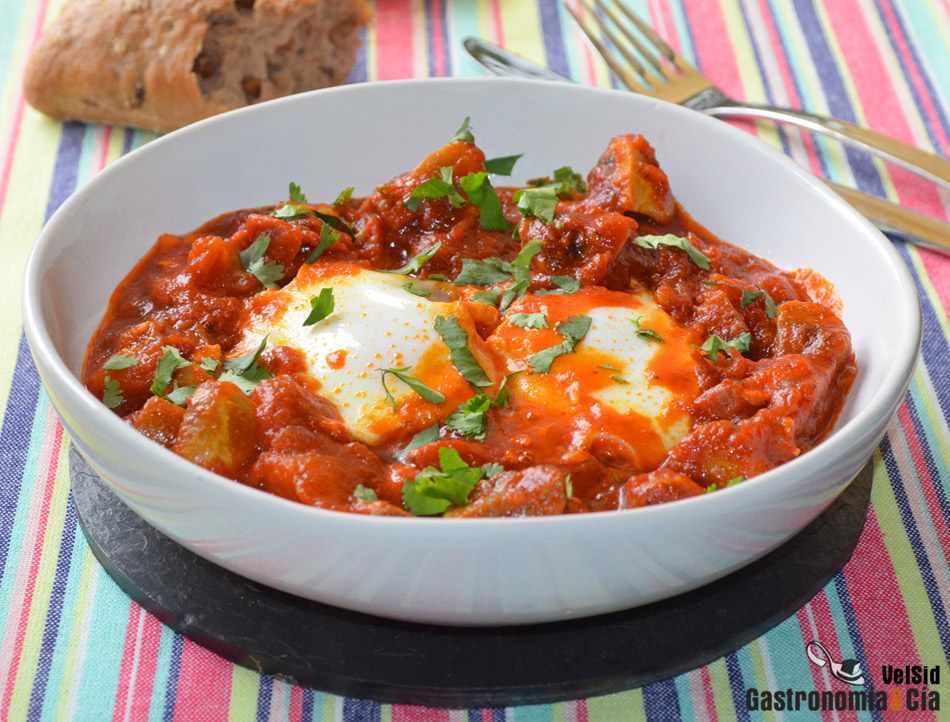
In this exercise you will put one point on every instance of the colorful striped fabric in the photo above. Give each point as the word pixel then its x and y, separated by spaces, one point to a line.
pixel 73 646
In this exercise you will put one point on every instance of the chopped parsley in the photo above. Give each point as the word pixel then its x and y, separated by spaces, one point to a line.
pixel 750 297
pixel 426 436
pixel 695 255
pixel 573 330
pixel 645 333
pixel 483 272
pixel 538 202
pixel 410 287
pixel 120 362
pixel 514 292
pixel 565 182
pixel 456 338
pixel 180 394
pixel 565 285
pixel 344 198
pixel 168 364
pixel 619 380
pixel 328 237
pixel 440 186
pixel 209 365
pixel 481 194
pixel 463 133
pixel 112 393
pixel 362 493
pixel 489 297
pixel 469 419
pixel 731 482
pixel 529 320
pixel 714 345
pixel 321 305
pixel 415 384
pixel 502 166
pixel 244 371
pixel 435 489
pixel 296 195
pixel 252 259
pixel 416 262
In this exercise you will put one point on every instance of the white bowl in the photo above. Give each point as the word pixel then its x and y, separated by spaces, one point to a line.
pixel 482 571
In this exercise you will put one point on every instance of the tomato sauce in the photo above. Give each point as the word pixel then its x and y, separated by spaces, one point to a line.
pixel 750 364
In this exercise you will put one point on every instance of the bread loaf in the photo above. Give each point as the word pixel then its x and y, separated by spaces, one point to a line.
pixel 161 64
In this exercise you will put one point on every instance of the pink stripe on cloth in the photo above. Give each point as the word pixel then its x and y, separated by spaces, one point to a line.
pixel 411 713
pixel 938 270
pixel 37 543
pixel 204 684
pixel 714 52
pixel 137 672
pixel 395 48
pixel 818 625
pixel 295 706
pixel 879 98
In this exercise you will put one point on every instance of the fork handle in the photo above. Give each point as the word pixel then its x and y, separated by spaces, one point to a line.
pixel 932 167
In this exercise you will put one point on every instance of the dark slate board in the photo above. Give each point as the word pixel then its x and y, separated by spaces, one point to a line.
pixel 356 655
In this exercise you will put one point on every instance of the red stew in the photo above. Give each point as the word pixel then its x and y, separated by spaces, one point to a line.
pixel 747 365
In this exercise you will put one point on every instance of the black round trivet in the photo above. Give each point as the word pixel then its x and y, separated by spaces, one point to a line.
pixel 356 655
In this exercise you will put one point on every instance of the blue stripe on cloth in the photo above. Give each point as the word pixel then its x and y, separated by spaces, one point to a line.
pixel 839 105
pixel 917 546
pixel 553 34
pixel 359 710
pixel 306 706
pixel 358 72
pixel 843 597
pixel 53 614
pixel 737 686
pixel 911 86
pixel 17 421
pixel 171 685
pixel 265 692
pixel 66 167
pixel 661 702
pixel 923 432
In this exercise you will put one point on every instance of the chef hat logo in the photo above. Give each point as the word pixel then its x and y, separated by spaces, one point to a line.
pixel 848 670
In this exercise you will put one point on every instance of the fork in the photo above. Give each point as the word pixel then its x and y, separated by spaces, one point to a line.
pixel 666 75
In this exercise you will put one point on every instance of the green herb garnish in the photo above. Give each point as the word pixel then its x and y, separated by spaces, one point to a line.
pixel 426 436
pixel 470 419
pixel 456 338
pixel 463 133
pixel 120 362
pixel 481 194
pixel 502 166
pixel 440 186
pixel 714 345
pixel 695 255
pixel 573 330
pixel 645 333
pixel 529 320
pixel 415 384
pixel 168 364
pixel 565 285
pixel 112 393
pixel 363 493
pixel 252 259
pixel 435 489
pixel 416 262
pixel 328 237
pixel 538 202
pixel 410 287
pixel 244 371
pixel 321 306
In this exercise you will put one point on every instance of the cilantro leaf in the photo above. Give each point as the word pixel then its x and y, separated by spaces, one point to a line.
pixel 489 297
pixel 645 333
pixel 463 133
pixel 483 272
pixel 573 330
pixel 408 285
pixel 565 182
pixel 322 305
pixel 292 211
pixel 456 338
pixel 415 384
pixel 112 393
pixel 491 469
pixel 619 380
pixel 252 259
pixel 714 345
pixel 538 202
pixel 565 285
pixel 522 263
pixel 434 489
pixel 168 364
pixel 482 194
pixel 695 255
pixel 515 292
pixel 344 197
pixel 610 368
pixel 209 365
pixel 731 482
pixel 438 277
pixel 503 165
pixel 296 195
pixel 119 362
pixel 568 487
pixel 469 418
pixel 750 297
pixel 529 320
pixel 328 237
pixel 426 436
pixel 244 371
pixel 415 263
pixel 440 186
pixel 180 394
pixel 363 493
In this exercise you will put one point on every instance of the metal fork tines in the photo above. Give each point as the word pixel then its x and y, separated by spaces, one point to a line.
pixel 646 64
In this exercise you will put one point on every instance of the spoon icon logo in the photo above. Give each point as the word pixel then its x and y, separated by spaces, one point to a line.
pixel 848 671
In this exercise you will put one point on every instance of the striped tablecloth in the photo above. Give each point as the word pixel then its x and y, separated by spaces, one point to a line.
pixel 73 646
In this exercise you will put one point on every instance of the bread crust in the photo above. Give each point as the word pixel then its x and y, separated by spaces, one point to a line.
pixel 161 64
